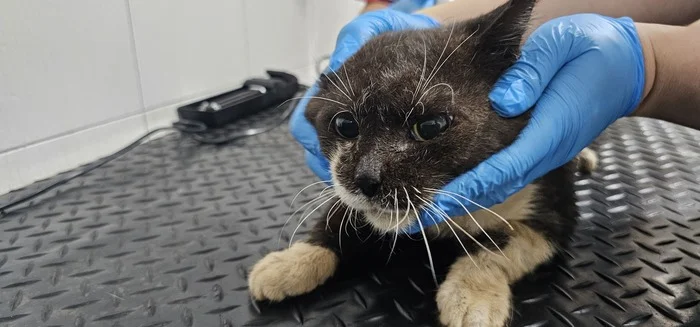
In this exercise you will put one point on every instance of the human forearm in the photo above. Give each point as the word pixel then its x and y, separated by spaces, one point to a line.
pixel 672 86
pixel 676 12
pixel 372 6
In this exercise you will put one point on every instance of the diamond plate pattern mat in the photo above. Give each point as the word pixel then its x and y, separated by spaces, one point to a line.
pixel 164 236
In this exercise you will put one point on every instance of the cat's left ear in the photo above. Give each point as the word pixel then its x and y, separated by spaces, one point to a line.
pixel 499 33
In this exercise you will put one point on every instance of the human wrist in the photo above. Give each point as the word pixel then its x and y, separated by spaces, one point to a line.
pixel 431 21
pixel 674 95
pixel 460 10
pixel 647 103
pixel 374 5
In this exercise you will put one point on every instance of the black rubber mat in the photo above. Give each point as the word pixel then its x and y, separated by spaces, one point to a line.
pixel 164 236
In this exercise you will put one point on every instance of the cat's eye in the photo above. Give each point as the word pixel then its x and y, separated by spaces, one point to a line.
pixel 346 125
pixel 429 127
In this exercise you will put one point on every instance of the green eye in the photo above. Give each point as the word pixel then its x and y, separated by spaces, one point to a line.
pixel 429 127
pixel 345 125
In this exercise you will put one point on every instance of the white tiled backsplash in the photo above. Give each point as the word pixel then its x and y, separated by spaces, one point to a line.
pixel 79 79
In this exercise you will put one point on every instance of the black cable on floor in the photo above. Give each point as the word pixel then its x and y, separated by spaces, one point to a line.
pixel 88 169
pixel 193 129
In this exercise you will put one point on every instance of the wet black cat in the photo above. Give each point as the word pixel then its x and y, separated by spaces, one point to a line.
pixel 401 118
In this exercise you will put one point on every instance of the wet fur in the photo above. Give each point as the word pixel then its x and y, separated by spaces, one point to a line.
pixel 378 85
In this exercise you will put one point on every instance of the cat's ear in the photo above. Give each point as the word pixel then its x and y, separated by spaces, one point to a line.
pixel 312 111
pixel 499 33
pixel 314 106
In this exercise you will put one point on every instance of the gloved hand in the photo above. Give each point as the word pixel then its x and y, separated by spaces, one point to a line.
pixel 581 73
pixel 352 36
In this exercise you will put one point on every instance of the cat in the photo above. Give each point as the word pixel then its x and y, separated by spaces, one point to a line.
pixel 401 118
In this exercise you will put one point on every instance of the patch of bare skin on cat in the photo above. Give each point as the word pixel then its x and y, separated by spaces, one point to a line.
pixel 291 272
pixel 479 295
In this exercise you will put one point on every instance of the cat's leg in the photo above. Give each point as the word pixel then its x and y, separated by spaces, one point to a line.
pixel 291 272
pixel 478 293
pixel 305 265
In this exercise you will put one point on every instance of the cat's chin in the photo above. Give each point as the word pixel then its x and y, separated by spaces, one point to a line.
pixel 388 221
pixel 382 220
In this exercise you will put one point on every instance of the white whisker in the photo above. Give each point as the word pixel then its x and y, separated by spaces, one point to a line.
pixel 303 189
pixel 476 204
pixel 476 222
pixel 442 213
pixel 432 71
pixel 341 82
pixel 422 107
pixel 431 216
pixel 396 206
pixel 436 85
pixel 337 87
pixel 427 247
pixel 332 212
pixel 304 219
pixel 352 92
pixel 349 222
pixel 320 197
pixel 340 233
pixel 408 208
pixel 447 222
pixel 430 77
pixel 422 73
pixel 408 115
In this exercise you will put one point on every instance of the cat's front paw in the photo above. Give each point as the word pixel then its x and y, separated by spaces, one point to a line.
pixel 465 303
pixel 294 271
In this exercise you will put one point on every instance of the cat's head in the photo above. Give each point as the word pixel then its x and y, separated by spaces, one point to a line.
pixel 410 111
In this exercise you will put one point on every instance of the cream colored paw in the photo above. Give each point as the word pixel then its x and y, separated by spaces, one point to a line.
pixel 294 271
pixel 467 303
pixel 587 161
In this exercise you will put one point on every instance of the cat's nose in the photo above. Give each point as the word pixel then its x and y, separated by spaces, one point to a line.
pixel 369 185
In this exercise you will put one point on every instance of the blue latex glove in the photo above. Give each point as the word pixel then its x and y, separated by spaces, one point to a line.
pixel 581 73
pixel 409 6
pixel 352 36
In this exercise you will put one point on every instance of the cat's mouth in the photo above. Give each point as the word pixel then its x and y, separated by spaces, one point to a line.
pixel 383 218
pixel 391 214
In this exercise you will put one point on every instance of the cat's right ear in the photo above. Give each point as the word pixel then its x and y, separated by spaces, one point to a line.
pixel 314 105
pixel 499 33
pixel 312 108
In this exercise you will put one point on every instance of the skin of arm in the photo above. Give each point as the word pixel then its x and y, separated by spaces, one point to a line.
pixel 672 86
pixel 372 6
pixel 676 12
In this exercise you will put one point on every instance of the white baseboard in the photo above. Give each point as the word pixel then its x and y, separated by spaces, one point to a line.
pixel 23 166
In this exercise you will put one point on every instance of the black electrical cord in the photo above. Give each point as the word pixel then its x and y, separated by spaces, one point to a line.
pixel 190 128
pixel 89 168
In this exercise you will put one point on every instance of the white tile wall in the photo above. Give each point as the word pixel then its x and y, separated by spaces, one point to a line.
pixel 64 65
pixel 329 18
pixel 79 79
pixel 277 38
pixel 188 48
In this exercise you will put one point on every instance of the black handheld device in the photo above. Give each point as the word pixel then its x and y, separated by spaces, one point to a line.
pixel 255 95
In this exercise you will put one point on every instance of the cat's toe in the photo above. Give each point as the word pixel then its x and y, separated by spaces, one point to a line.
pixel 462 307
pixel 294 271
pixel 587 161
